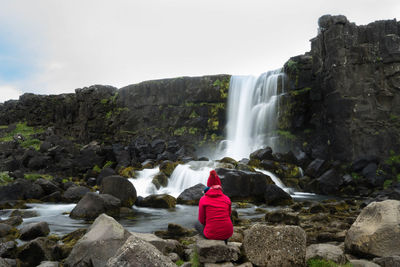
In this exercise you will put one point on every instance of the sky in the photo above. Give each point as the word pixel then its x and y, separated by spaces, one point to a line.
pixel 56 46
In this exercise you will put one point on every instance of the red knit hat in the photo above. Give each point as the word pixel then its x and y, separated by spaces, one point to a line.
pixel 213 179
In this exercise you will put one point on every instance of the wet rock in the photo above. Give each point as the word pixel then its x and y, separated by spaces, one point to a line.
pixel 105 173
pixel 159 180
pixel 93 204
pixel 33 230
pixel 316 168
pixel 167 167
pixel 262 154
pixel 390 261
pixel 244 185
pixel 326 252
pixel 174 231
pixel 102 240
pixel 53 197
pixel 8 249
pixel 164 201
pixel 13 221
pixel 61 251
pixel 282 217
pixel 329 182
pixel 120 188
pixel 275 246
pixel 191 195
pixel 136 252
pixel 48 186
pixel 212 251
pixel 376 231
pixel 36 251
pixel 275 196
pixel 75 193
pixel 5 229
pixel 363 263
pixel 362 162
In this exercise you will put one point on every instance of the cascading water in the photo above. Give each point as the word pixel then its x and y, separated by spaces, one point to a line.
pixel 252 113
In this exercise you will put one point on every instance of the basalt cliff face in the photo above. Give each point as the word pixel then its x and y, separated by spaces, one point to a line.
pixel 341 100
pixel 343 97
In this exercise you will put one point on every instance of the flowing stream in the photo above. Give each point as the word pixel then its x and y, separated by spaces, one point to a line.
pixel 252 111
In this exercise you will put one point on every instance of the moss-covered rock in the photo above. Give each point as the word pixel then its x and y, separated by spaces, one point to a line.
pixel 164 201
pixel 160 180
pixel 167 167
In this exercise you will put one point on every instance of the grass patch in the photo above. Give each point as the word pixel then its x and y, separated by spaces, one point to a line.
pixel 5 178
pixel 194 259
pixel 387 183
pixel 26 131
pixel 286 134
pixel 325 263
pixel 179 262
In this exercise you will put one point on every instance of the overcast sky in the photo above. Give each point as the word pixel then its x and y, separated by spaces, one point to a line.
pixel 56 46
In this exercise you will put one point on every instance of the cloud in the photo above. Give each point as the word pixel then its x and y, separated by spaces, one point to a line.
pixel 72 44
pixel 8 92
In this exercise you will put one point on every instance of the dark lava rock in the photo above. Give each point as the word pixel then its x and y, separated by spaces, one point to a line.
pixel 191 195
pixel 105 173
pixel 120 188
pixel 158 201
pixel 261 154
pixel 274 195
pixel 36 251
pixel 329 182
pixel 93 204
pixel 75 193
pixel 34 230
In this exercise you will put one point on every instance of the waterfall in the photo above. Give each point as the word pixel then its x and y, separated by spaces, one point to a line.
pixel 252 113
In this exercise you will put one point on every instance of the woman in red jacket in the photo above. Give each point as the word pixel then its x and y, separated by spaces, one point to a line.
pixel 215 211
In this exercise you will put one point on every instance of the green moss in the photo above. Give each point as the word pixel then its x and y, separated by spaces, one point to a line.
pixel 96 168
pixel 35 176
pixel 292 66
pixel 286 134
pixel 5 178
pixel 179 262
pixel 108 115
pixel 127 172
pixel 34 143
pixel 223 86
pixel 355 176
pixel 194 259
pixel 104 101
pixel 3 126
pixel 300 92
pixel 193 115
pixel 387 183
pixel 213 124
pixel 325 263
pixel 108 164
pixel 180 131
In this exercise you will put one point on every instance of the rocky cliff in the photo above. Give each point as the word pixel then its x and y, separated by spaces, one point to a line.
pixel 343 98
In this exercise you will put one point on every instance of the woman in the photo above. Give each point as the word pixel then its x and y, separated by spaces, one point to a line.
pixel 215 211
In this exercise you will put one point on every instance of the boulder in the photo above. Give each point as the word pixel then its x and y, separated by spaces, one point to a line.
pixel 174 231
pixel 164 245
pixel 363 263
pixel 275 246
pixel 262 154
pixel 159 180
pixel 93 204
pixel 75 193
pixel 191 195
pixel 48 186
pixel 53 197
pixel 274 195
pixel 388 261
pixel 316 168
pixel 243 184
pixel 376 231
pixel 158 201
pixel 137 253
pixel 167 167
pixel 102 240
pixel 326 252
pixel 105 173
pixel 20 189
pixel 36 251
pixel 282 217
pixel 5 229
pixel 329 182
pixel 33 230
pixel 8 249
pixel 120 188
pixel 212 251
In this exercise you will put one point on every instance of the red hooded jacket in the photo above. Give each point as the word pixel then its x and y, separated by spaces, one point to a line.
pixel 215 211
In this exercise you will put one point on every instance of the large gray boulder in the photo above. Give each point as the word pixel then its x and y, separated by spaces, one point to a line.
pixel 120 188
pixel 244 184
pixel 33 230
pixel 212 251
pixel 93 204
pixel 376 232
pixel 75 193
pixel 191 195
pixel 138 253
pixel 36 251
pixel 102 240
pixel 326 252
pixel 275 246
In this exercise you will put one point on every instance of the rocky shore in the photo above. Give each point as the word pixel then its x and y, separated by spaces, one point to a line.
pixel 338 130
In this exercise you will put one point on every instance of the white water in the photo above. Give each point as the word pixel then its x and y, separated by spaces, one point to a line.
pixel 252 112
